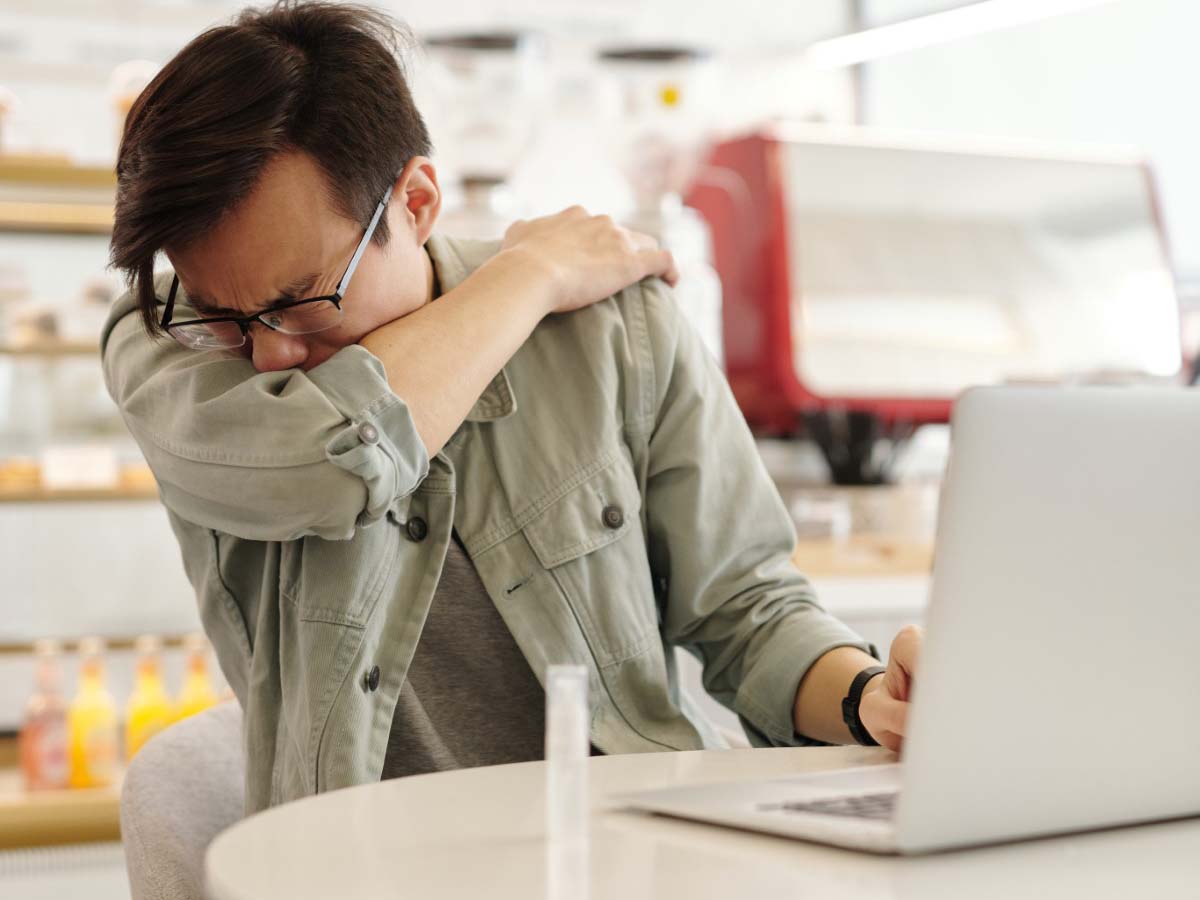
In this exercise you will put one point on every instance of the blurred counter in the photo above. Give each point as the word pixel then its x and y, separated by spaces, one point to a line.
pixel 855 532
pixel 863 555
pixel 48 818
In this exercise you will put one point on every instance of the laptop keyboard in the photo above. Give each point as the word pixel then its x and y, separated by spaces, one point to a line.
pixel 860 806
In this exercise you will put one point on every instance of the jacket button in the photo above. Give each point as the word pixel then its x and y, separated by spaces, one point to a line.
pixel 371 680
pixel 613 516
pixel 368 433
pixel 417 529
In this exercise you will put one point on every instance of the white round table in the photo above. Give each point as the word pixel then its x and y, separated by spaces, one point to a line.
pixel 479 834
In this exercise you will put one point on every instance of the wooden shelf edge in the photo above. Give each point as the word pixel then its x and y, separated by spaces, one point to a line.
pixel 57 171
pixel 127 643
pixel 52 348
pixel 49 818
pixel 78 495
pixel 56 218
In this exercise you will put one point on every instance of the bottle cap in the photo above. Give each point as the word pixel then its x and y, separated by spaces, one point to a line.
pixel 47 672
pixel 44 647
pixel 147 644
pixel 92 645
pixel 195 642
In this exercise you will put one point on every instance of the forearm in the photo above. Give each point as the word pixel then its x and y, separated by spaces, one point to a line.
pixel 818 710
pixel 442 357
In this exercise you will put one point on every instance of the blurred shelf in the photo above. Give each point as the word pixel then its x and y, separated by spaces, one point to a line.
pixel 52 348
pixel 77 495
pixel 863 556
pixel 45 818
pixel 111 644
pixel 58 171
pixel 183 17
pixel 89 73
pixel 56 218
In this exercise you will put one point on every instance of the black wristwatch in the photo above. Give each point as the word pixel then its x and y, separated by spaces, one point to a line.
pixel 858 731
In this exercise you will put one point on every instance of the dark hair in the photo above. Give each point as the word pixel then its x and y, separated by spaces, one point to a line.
pixel 322 78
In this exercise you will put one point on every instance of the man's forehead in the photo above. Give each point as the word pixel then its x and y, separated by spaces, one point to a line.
pixel 268 247
pixel 220 279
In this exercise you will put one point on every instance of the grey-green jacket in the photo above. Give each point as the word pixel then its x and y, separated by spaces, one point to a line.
pixel 605 486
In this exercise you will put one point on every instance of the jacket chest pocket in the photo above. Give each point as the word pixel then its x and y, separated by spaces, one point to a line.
pixel 589 538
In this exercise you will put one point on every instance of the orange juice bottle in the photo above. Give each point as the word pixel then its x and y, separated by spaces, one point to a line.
pixel 149 710
pixel 43 739
pixel 92 722
pixel 198 692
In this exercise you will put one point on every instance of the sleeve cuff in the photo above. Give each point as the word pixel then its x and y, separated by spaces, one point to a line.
pixel 766 698
pixel 380 443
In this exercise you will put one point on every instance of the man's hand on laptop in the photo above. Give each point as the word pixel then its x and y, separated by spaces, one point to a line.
pixel 884 705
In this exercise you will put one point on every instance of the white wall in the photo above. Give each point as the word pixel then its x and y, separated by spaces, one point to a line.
pixel 1121 73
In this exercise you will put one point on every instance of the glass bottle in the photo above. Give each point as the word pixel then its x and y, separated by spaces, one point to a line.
pixel 150 709
pixel 198 691
pixel 92 722
pixel 43 737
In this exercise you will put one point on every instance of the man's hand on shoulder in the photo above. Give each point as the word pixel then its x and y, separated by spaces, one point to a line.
pixel 586 257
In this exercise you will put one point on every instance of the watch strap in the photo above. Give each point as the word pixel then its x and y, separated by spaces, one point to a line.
pixel 850 705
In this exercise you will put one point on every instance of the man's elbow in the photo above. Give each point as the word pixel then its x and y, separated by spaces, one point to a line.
pixel 332 510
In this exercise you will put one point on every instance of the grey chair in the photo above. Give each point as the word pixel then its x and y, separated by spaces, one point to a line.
pixel 183 788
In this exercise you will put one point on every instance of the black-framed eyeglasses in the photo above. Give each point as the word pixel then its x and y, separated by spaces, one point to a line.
pixel 306 316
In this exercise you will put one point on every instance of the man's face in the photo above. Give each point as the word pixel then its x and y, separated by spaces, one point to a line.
pixel 287 240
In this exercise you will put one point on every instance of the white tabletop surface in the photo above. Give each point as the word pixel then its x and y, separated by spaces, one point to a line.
pixel 478 833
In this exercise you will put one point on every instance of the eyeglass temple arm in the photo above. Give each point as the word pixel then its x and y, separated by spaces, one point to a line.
pixel 167 313
pixel 362 245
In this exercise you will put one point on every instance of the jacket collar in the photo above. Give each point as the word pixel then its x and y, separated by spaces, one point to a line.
pixel 453 261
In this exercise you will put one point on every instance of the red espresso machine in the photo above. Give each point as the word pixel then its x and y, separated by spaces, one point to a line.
pixel 868 280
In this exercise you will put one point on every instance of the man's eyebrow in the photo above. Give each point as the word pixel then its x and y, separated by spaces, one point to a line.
pixel 290 293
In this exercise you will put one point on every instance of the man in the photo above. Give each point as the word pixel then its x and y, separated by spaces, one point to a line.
pixel 400 489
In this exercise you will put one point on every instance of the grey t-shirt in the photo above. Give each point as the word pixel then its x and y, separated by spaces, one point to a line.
pixel 470 698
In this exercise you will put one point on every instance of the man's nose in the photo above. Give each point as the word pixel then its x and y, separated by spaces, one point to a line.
pixel 272 351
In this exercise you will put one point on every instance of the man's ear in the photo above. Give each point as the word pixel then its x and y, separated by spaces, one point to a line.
pixel 417 188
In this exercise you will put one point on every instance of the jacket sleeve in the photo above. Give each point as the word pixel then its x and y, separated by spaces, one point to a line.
pixel 264 456
pixel 722 541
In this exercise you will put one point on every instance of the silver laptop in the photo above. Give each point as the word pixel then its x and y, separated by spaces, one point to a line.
pixel 1059 685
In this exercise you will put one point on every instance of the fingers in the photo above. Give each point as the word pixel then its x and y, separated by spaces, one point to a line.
pixel 906 647
pixel 660 263
pixel 883 714
pixel 597 247
pixel 904 658
pixel 652 259
pixel 893 742
pixel 671 276
pixel 884 711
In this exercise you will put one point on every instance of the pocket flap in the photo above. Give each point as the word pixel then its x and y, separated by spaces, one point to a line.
pixel 593 513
